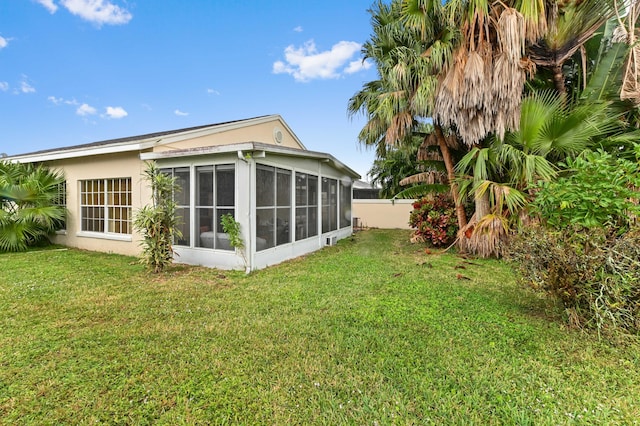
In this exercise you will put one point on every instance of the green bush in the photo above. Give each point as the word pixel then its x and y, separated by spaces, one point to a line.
pixel 586 251
pixel 29 205
pixel 595 274
pixel 434 218
pixel 597 190
pixel 158 222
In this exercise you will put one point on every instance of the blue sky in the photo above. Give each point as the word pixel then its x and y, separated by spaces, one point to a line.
pixel 79 71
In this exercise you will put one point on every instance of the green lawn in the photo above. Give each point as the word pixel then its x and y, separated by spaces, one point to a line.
pixel 371 331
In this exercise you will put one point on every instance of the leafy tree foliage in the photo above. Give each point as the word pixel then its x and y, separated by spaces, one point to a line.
pixel 395 164
pixel 596 190
pixel 28 209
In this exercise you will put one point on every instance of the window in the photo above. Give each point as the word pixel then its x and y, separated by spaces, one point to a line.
pixel 329 204
pixel 182 199
pixel 306 206
pixel 273 206
pixel 61 200
pixel 345 205
pixel 105 205
pixel 215 197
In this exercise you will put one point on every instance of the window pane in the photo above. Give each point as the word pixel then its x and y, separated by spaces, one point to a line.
pixel 313 191
pixel 283 189
pixel 92 219
pixel 313 221
pixel 219 214
pixel 204 224
pixel 222 239
pixel 265 186
pixel 204 180
pixel 301 223
pixel 329 205
pixel 225 186
pixel 265 232
pixel 283 235
pixel 301 189
pixel 182 216
pixel 183 181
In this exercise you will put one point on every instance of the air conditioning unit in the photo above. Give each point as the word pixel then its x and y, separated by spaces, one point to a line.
pixel 331 241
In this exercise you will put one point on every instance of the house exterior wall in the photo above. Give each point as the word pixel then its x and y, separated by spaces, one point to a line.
pixel 113 163
pixel 123 165
pixel 245 211
pixel 263 133
pixel 384 214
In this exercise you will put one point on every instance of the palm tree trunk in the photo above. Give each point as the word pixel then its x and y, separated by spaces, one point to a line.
pixel 558 81
pixel 449 165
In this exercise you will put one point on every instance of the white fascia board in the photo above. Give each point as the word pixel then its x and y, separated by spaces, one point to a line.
pixel 82 152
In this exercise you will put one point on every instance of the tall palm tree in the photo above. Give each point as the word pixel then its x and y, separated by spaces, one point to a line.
pixel 411 45
pixel 28 209
pixel 571 25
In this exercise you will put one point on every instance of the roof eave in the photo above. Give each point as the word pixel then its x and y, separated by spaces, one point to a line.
pixel 245 147
pixel 81 152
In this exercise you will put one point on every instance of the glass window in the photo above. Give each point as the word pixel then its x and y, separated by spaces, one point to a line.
pixel 105 205
pixel 182 198
pixel 273 206
pixel 306 206
pixel 61 200
pixel 329 204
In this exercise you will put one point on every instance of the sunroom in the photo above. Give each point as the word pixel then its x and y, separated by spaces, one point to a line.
pixel 288 202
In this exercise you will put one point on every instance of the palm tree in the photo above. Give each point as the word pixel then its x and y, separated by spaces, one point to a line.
pixel 28 209
pixel 398 162
pixel 571 25
pixel 411 45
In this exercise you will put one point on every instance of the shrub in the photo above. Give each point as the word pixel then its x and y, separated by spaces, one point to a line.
pixel 586 251
pixel 29 211
pixel 157 222
pixel 434 218
pixel 598 190
pixel 595 274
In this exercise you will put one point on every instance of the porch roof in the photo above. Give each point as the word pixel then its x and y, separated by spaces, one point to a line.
pixel 256 149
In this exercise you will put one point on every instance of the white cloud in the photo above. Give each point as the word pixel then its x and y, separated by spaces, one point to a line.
pixel 3 42
pixel 116 112
pixel 4 86
pixel 298 29
pixel 180 113
pixel 212 92
pixel 98 11
pixel 86 109
pixel 355 66
pixel 306 63
pixel 49 4
pixel 62 101
pixel 26 87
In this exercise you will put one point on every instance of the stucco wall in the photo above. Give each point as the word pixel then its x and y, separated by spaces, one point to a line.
pixel 124 165
pixel 385 214
pixel 263 133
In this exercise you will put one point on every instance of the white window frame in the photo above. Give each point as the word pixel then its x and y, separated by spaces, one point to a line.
pixel 104 202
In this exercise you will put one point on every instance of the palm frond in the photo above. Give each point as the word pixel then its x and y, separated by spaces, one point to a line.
pixel 421 190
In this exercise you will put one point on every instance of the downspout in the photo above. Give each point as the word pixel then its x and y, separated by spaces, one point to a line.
pixel 247 246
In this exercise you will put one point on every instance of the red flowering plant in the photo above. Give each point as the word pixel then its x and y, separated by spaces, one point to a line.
pixel 434 220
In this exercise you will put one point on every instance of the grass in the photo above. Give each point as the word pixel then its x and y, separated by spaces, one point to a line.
pixel 371 331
